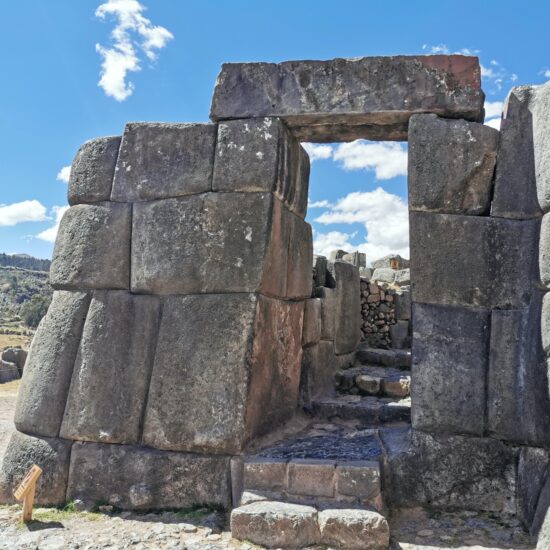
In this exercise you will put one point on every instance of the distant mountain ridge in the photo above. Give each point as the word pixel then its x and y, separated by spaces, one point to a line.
pixel 24 261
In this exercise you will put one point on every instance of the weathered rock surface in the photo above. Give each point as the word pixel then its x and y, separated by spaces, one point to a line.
pixel 141 478
pixel 495 280
pixel 346 99
pixel 112 370
pixel 158 161
pixel 262 155
pixel 544 250
pixel 51 454
pixel 328 298
pixel 300 257
pixel 276 524
pixel 49 368
pixel 93 170
pixel 467 473
pixel 253 370
pixel 318 370
pixel 311 477
pixel 392 261
pixel 319 271
pixel 543 541
pixel 532 468
pixel 92 249
pixel 354 529
pixel 451 165
pixel 450 357
pixel 311 333
pixel 18 356
pixel 522 180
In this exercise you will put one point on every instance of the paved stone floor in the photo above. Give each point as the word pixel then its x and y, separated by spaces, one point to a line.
pixel 54 529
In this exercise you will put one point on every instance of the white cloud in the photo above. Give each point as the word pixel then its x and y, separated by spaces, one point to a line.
pixel 493 108
pixel 319 204
pixel 19 212
pixel 325 243
pixel 64 174
pixel 546 73
pixel 133 32
pixel 493 123
pixel 50 234
pixel 317 152
pixel 384 215
pixel 387 159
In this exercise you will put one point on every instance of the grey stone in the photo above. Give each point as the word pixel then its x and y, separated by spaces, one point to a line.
pixel 93 170
pixel 319 368
pixel 109 386
pixel 542 505
pixel 354 529
pixel 328 298
pixel 92 249
pixel 346 99
pixel 522 179
pixel 253 371
pixel 518 405
pixel 49 367
pixel 532 468
pixel 450 357
pixel 17 356
pixel 366 273
pixel 403 307
pixel 337 255
pixel 368 384
pixel 384 275
pixel 311 477
pixel 358 259
pixel 265 474
pixel 213 242
pixel 158 161
pixel 451 165
pixel 499 255
pixel 443 472
pixel 392 261
pixel 403 277
pixel 262 155
pixel 543 541
pixel 319 270
pixel 51 454
pixel 399 334
pixel 275 524
pixel 8 372
pixel 300 258
pixel 132 477
pixel 311 333
pixel 360 479
pixel 544 251
pixel 386 357
pixel 347 326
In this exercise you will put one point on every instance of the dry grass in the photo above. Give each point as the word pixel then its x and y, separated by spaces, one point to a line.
pixel 14 340
pixel 9 388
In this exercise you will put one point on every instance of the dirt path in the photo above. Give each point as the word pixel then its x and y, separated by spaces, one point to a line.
pixel 8 396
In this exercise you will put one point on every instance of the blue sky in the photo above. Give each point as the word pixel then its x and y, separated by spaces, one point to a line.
pixel 51 101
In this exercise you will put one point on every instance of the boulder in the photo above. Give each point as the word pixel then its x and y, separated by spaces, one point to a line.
pixel 522 178
pixel 93 170
pixel 158 161
pixel 51 454
pixel 92 249
pixel 109 386
pixel 261 155
pixel 17 356
pixel 450 356
pixel 131 477
pixel 499 255
pixel 451 165
pixel 49 367
pixel 347 99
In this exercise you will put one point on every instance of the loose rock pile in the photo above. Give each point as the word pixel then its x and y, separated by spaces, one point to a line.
pixel 378 311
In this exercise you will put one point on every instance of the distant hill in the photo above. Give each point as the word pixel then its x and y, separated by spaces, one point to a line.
pixel 24 261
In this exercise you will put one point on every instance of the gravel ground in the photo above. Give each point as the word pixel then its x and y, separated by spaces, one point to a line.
pixel 204 529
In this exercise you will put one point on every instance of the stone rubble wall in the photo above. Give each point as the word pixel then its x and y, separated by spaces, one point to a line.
pixel 175 332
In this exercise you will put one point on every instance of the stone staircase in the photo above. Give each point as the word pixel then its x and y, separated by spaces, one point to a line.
pixel 324 484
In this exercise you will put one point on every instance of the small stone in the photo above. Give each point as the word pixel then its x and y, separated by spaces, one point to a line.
pixel 368 384
pixel 425 533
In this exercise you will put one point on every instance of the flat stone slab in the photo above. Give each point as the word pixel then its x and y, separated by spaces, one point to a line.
pixel 399 358
pixel 347 99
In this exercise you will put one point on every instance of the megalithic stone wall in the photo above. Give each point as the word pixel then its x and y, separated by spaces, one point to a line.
pixel 175 332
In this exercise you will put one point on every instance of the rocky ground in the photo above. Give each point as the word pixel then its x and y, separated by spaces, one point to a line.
pixel 206 529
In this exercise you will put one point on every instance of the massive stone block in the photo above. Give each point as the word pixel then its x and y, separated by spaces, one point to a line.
pixel 319 367
pixel 49 367
pixel 261 154
pixel 476 261
pixel 158 161
pixel 451 165
pixel 113 366
pixel 522 180
pixel 213 242
pixel 92 250
pixel 518 400
pixel 328 311
pixel 346 99
pixel 300 258
pixel 93 170
pixel 214 398
pixel 311 333
pixel 139 478
pixel 51 454
pixel 347 326
pixel 450 356
pixel 441 472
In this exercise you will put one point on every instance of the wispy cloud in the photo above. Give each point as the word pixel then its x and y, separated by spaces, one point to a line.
pixel 319 204
pixel 133 33
pixel 64 174
pixel 50 234
pixel 317 152
pixel 24 211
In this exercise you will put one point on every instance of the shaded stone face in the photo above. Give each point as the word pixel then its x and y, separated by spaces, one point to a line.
pixel 347 99
pixel 158 161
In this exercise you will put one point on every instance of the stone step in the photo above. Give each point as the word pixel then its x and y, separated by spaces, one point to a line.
pixel 367 410
pixel 275 524
pixel 372 380
pixel 398 358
